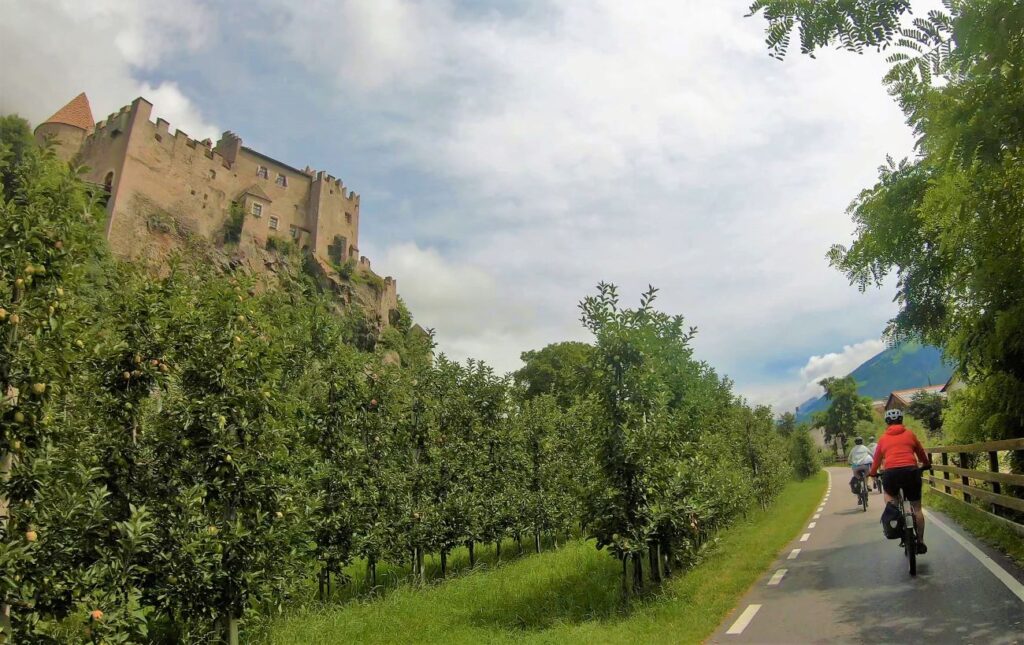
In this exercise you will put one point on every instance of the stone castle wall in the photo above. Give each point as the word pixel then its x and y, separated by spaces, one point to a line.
pixel 200 182
pixel 154 175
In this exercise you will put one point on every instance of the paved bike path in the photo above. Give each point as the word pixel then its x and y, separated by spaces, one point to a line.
pixel 849 584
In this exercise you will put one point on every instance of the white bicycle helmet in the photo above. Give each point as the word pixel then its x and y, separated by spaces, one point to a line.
pixel 893 416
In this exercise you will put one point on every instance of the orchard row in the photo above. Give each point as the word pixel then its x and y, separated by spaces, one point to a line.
pixel 184 450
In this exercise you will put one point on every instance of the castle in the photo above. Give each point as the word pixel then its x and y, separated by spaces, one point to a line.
pixel 146 171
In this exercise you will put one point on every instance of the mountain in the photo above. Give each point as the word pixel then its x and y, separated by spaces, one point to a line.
pixel 899 367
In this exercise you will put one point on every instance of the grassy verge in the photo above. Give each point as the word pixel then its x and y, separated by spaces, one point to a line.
pixel 977 523
pixel 569 595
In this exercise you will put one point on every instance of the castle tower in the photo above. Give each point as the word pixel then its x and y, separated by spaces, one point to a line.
pixel 68 127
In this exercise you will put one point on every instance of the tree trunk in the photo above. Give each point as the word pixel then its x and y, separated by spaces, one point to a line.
pixel 519 543
pixel 230 619
pixel 444 562
pixel 6 463
pixel 472 554
pixel 625 578
pixel 536 540
pixel 371 572
pixel 638 573
pixel 652 560
pixel 230 629
pixel 497 550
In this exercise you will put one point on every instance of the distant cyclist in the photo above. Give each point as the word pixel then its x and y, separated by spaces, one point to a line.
pixel 860 461
pixel 901 452
pixel 871 448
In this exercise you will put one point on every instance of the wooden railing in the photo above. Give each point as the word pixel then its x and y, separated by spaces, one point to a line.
pixel 995 477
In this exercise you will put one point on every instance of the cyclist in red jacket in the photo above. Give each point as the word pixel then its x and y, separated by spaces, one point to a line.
pixel 901 451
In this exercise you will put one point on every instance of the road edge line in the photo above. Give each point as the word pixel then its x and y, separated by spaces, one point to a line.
pixel 999 572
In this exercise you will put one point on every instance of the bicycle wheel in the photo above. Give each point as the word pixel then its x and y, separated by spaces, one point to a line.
pixel 864 498
pixel 910 542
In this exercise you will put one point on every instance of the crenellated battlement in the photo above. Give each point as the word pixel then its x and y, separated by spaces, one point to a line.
pixel 325 177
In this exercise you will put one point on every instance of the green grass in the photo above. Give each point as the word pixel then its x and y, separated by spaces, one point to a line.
pixel 566 596
pixel 978 523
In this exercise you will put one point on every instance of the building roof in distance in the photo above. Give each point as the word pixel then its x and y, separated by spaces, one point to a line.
pixel 905 397
pixel 76 113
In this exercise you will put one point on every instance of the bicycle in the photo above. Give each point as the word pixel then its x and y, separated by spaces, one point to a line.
pixel 877 484
pixel 862 491
pixel 908 526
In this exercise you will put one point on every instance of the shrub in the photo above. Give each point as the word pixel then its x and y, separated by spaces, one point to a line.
pixel 346 268
pixel 233 226
pixel 282 245
pixel 803 454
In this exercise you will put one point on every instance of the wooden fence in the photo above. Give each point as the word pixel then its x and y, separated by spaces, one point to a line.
pixel 995 478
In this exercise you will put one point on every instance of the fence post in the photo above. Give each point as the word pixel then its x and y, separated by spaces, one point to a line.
pixel 964 479
pixel 993 465
pixel 931 472
pixel 945 473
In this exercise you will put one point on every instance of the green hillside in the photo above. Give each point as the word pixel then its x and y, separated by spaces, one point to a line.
pixel 903 366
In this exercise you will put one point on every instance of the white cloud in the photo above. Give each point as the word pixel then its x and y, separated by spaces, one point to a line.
pixel 553 144
pixel 789 393
pixel 840 363
pixel 171 104
pixel 605 141
pixel 367 46
pixel 54 49
pixel 466 306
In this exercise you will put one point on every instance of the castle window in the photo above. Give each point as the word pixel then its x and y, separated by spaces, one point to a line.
pixel 262 172
pixel 336 251
pixel 281 180
pixel 257 210
pixel 294 230
pixel 273 223
pixel 348 218
pixel 108 187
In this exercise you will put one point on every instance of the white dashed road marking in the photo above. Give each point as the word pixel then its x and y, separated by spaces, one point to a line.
pixel 744 619
pixel 777 578
pixel 805 537
pixel 793 554
pixel 812 525
pixel 817 516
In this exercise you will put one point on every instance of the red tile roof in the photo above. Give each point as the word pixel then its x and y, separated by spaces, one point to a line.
pixel 77 113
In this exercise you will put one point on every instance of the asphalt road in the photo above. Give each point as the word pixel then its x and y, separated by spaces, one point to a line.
pixel 848 584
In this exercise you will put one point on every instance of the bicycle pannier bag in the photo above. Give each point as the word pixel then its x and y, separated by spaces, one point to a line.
pixel 892 522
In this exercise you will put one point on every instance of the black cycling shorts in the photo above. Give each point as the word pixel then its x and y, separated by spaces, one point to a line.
pixel 908 478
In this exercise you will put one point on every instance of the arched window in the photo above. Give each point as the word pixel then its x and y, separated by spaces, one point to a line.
pixel 108 186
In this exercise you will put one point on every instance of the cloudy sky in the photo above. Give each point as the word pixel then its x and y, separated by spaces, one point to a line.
pixel 512 154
